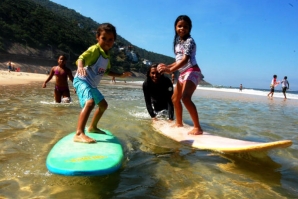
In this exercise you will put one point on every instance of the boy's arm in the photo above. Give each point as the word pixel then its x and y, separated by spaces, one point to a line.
pixel 87 58
pixel 81 71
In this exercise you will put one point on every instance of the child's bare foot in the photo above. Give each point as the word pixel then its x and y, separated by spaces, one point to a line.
pixel 196 131
pixel 83 138
pixel 96 130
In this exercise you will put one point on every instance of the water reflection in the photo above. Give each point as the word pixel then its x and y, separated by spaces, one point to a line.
pixel 154 166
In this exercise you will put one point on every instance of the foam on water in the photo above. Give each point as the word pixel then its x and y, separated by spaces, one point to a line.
pixel 139 115
pixel 277 94
pixel 250 91
pixel 55 103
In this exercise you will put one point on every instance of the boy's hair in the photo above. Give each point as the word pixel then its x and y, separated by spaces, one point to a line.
pixel 285 77
pixel 274 76
pixel 187 20
pixel 106 27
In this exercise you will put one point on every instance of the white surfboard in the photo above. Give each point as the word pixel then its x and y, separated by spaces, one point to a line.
pixel 211 142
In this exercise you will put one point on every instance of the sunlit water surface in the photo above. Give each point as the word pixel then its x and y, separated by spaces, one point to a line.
pixel 154 166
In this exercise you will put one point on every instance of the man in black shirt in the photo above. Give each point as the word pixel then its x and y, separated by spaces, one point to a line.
pixel 158 91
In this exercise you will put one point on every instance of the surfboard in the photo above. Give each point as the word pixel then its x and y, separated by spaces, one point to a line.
pixel 81 159
pixel 208 141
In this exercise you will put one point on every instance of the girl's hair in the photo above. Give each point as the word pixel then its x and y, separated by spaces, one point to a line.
pixel 274 76
pixel 62 55
pixel 187 20
pixel 106 27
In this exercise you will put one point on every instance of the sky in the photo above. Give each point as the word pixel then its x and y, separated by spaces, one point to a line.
pixel 238 41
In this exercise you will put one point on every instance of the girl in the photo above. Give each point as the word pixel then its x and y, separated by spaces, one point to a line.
pixel 190 73
pixel 61 73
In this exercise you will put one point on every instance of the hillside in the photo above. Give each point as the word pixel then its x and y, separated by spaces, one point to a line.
pixel 37 31
pixel 46 29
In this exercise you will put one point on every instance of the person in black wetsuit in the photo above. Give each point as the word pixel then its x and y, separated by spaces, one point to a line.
pixel 158 91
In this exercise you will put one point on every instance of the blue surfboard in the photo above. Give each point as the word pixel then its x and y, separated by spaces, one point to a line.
pixel 81 159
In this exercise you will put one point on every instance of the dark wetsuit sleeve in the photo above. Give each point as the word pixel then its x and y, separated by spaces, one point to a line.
pixel 148 100
pixel 169 99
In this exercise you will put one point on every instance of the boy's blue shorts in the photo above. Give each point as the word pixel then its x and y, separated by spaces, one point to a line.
pixel 86 92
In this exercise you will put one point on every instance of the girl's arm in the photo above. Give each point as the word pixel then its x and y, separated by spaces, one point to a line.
pixel 180 63
pixel 44 85
pixel 70 76
pixel 173 67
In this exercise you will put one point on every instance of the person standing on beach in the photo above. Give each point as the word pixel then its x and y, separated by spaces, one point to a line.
pixel 190 73
pixel 285 85
pixel 92 65
pixel 61 73
pixel 273 84
pixel 113 80
pixel 158 91
pixel 9 66
pixel 240 88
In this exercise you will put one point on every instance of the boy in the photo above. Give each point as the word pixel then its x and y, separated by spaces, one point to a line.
pixel 285 85
pixel 273 84
pixel 92 65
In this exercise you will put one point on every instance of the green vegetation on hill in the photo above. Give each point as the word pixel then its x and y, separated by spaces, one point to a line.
pixel 43 24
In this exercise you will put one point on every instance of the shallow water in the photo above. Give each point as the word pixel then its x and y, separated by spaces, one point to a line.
pixel 154 166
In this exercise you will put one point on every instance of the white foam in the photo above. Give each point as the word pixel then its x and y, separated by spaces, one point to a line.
pixel 249 92
pixel 55 103
pixel 277 93
pixel 140 115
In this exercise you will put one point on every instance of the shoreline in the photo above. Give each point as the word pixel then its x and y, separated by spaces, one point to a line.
pixel 17 78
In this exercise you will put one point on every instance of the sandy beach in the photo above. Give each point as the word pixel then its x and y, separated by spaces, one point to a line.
pixel 12 78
